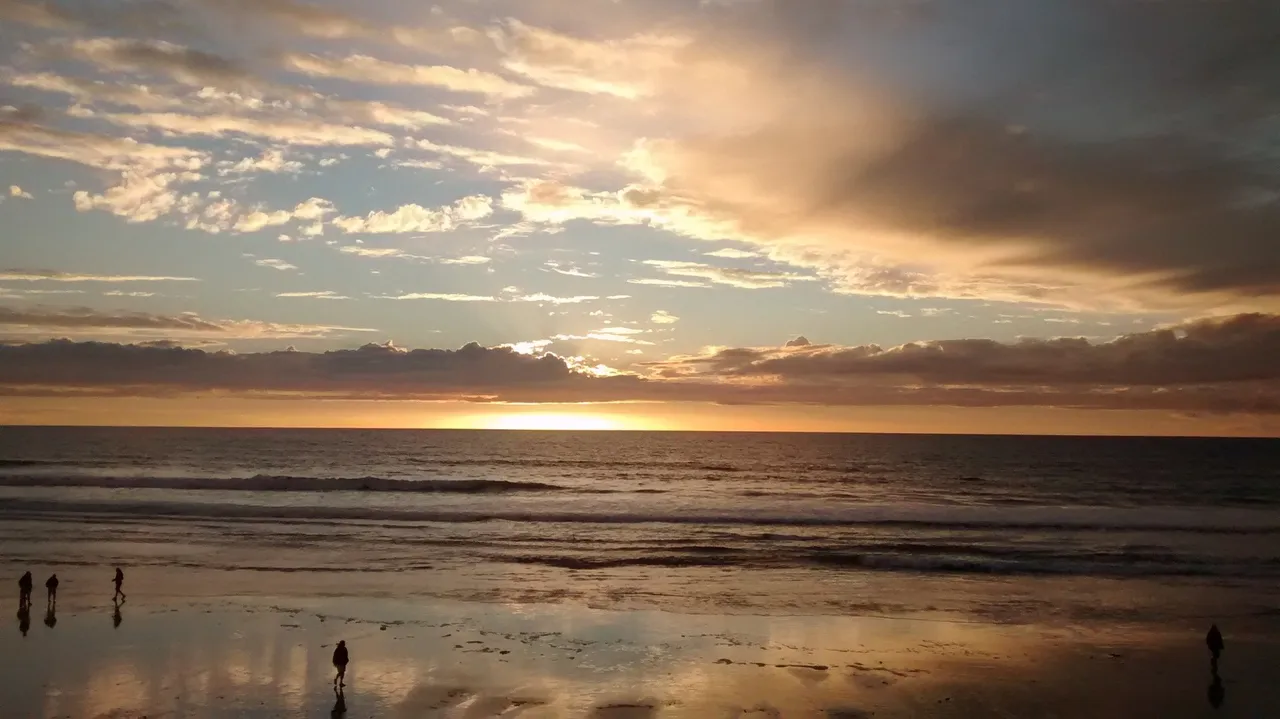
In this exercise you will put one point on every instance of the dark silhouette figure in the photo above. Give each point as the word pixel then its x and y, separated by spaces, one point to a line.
pixel 1214 641
pixel 24 590
pixel 51 615
pixel 339 704
pixel 52 585
pixel 1217 692
pixel 24 619
pixel 340 660
pixel 116 618
pixel 119 580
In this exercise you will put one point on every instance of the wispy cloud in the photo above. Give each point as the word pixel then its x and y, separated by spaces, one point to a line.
pixel 275 264
pixel 662 317
pixel 363 68
pixel 466 260
pixel 442 296
pixel 666 283
pixel 321 295
pixel 55 276
pixel 569 270
pixel 47 321
pixel 730 253
pixel 416 218
pixel 731 276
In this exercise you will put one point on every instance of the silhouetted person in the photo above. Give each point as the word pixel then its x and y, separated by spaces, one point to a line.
pixel 51 615
pixel 116 618
pixel 24 619
pixel 339 704
pixel 1217 692
pixel 340 660
pixel 52 585
pixel 119 580
pixel 1214 641
pixel 24 590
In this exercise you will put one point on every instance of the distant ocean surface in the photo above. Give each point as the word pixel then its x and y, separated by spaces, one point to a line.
pixel 820 508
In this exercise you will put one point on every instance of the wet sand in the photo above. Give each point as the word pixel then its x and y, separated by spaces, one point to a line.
pixel 255 657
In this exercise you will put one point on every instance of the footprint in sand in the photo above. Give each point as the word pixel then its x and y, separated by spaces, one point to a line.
pixel 760 711
pixel 622 710
pixel 847 714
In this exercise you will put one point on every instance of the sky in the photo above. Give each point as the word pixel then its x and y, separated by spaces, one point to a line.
pixel 1009 216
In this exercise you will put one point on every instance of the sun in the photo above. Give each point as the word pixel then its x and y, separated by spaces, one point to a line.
pixel 550 421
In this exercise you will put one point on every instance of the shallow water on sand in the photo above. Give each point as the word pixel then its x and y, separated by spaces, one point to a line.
pixel 238 658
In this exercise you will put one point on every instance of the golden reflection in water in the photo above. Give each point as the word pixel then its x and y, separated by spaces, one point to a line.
pixel 562 662
pixel 118 686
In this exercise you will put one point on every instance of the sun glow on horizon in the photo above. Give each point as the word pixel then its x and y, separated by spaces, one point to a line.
pixel 551 421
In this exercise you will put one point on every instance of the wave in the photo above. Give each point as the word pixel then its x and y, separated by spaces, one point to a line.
pixel 885 560
pixel 273 483
pixel 941 518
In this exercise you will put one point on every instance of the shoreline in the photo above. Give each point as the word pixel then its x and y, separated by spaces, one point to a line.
pixel 262 656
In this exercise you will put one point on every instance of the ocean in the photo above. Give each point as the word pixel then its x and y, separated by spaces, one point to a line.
pixel 1042 529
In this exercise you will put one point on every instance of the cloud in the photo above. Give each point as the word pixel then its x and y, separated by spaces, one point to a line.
pixel 149 175
pixel 601 336
pixel 46 321
pixel 568 271
pixel 993 168
pixel 303 18
pixel 662 317
pixel 666 283
pixel 37 14
pixel 14 275
pixel 551 299
pixel 539 298
pixel 323 295
pixel 1223 364
pixel 1209 351
pixel 365 69
pixel 294 130
pixel 258 219
pixel 108 153
pixel 800 341
pixel 443 296
pixel 373 370
pixel 618 67
pixel 466 260
pixel 734 277
pixel 18 192
pixel 730 253
pixel 275 264
pixel 480 158
pixel 122 293
pixel 416 218
pixel 190 67
pixel 362 251
pixel 271 161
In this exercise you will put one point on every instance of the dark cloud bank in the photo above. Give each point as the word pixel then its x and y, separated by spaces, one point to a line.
pixel 1216 365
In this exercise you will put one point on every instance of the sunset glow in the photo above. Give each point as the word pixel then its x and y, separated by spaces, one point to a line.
pixel 549 421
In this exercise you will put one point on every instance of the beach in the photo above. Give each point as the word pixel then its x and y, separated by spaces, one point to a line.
pixel 268 655
pixel 259 658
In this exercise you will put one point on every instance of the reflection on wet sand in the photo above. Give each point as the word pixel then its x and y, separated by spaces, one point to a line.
pixel 456 661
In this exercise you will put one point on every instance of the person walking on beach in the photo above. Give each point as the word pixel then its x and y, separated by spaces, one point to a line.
pixel 1214 641
pixel 24 591
pixel 340 660
pixel 119 580
pixel 52 585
